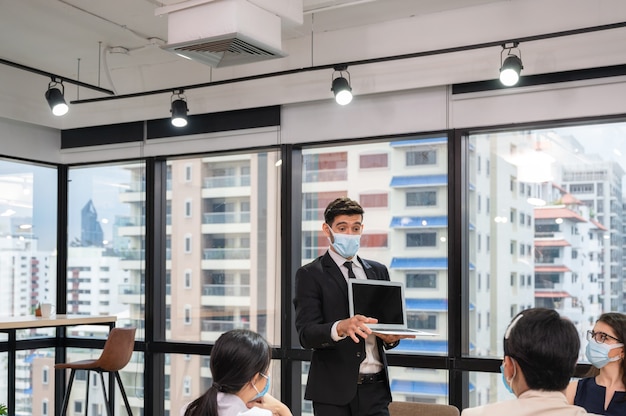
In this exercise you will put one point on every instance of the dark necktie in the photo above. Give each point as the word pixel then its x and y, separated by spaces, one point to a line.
pixel 348 265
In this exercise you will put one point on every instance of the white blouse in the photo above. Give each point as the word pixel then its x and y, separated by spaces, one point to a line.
pixel 232 405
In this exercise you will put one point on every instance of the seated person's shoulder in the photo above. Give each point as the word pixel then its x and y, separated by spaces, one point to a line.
pixel 256 411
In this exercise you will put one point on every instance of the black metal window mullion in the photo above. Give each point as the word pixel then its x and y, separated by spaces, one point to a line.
pixel 291 226
pixel 458 276
pixel 154 322
pixel 60 352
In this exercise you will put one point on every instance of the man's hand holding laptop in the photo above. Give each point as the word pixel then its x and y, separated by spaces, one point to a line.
pixel 356 327
pixel 384 300
pixel 390 339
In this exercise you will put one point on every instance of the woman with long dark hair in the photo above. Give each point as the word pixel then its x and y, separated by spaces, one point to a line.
pixel 603 391
pixel 240 362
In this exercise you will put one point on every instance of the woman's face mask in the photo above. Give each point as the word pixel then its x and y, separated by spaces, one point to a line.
pixel 346 245
pixel 263 392
pixel 598 353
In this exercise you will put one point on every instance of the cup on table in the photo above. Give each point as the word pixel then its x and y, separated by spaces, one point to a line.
pixel 46 310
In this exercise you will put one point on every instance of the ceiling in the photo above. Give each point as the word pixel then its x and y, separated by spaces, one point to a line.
pixel 117 45
pixel 96 42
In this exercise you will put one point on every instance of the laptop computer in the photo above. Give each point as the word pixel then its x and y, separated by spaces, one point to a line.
pixel 383 300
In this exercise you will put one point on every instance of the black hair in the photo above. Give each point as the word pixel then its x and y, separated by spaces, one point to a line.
pixel 342 206
pixel 545 346
pixel 617 322
pixel 236 357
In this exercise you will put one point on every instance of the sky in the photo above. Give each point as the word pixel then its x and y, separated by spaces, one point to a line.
pixel 606 140
pixel 601 137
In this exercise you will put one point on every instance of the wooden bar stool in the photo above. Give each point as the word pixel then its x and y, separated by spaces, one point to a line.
pixel 116 353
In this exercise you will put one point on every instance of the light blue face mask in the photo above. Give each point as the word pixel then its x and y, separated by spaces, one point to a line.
pixel 598 354
pixel 505 381
pixel 346 245
pixel 263 392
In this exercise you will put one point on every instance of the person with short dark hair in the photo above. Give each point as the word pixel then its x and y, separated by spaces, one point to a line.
pixel 603 391
pixel 540 353
pixel 348 373
pixel 240 361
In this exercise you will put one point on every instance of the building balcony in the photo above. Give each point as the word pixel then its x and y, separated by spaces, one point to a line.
pixel 226 181
pixel 225 290
pixel 232 301
pixel 211 328
pixel 132 255
pixel 313 214
pixel 226 217
pixel 227 228
pixel 133 195
pixel 132 231
pixel 226 254
pixel 326 175
pixel 131 294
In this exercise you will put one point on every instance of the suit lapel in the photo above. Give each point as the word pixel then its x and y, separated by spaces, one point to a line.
pixel 369 270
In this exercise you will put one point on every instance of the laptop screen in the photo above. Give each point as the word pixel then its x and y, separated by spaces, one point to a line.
pixel 378 299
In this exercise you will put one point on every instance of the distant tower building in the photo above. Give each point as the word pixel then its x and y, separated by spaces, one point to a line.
pixel 91 232
pixel 598 184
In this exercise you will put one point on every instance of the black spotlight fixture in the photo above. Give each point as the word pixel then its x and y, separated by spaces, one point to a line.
pixel 179 109
pixel 55 98
pixel 341 86
pixel 511 66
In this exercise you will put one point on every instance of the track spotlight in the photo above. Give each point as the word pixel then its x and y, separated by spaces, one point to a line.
pixel 55 99
pixel 179 109
pixel 341 86
pixel 511 66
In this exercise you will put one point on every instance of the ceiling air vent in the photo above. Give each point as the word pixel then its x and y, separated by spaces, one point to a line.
pixel 223 32
pixel 225 50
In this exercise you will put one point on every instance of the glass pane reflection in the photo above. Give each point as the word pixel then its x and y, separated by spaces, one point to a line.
pixel 106 231
pixel 402 186
pixel 223 235
pixel 546 227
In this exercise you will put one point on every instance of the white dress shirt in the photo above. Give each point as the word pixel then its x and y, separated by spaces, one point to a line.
pixel 371 363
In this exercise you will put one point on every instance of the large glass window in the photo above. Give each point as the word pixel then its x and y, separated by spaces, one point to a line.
pixel 419 385
pixel 189 388
pixel 36 367
pixel 391 232
pixel 28 261
pixel 573 260
pixel 106 229
pixel 223 262
pixel 544 229
pixel 106 259
pixel 28 237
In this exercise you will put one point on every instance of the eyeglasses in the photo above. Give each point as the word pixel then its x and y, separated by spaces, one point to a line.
pixel 600 337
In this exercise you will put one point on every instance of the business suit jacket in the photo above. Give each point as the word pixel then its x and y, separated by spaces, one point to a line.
pixel 321 299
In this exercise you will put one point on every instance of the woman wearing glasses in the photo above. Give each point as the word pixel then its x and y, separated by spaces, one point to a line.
pixel 604 390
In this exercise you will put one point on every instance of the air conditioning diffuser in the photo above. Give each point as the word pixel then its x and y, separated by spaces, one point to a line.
pixel 224 33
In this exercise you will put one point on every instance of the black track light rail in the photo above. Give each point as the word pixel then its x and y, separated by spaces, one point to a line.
pixel 455 49
pixel 55 77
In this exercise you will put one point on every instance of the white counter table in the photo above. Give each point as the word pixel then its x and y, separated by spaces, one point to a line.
pixel 11 324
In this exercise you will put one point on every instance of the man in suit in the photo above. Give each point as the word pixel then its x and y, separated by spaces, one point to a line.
pixel 348 374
